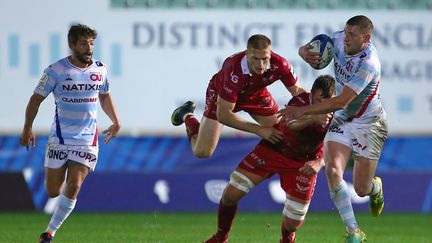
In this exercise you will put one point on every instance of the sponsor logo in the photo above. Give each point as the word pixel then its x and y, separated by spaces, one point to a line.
pixel 73 87
pixel 96 77
pixel 214 190
pixel 303 179
pixel 356 143
pixel 302 189
pixel 84 155
pixel 79 100
pixel 339 71
pixel 349 65
pixel 68 78
pixel 57 154
pixel 336 129
pixel 234 78
pixel 43 81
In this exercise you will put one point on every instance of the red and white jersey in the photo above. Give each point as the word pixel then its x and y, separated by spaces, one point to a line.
pixel 302 145
pixel 235 82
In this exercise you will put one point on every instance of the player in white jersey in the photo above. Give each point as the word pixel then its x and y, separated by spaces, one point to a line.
pixel 359 124
pixel 77 82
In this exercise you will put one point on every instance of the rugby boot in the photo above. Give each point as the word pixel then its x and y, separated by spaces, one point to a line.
pixel 357 237
pixel 376 202
pixel 45 237
pixel 179 113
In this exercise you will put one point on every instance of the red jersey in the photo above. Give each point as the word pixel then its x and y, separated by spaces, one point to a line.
pixel 235 83
pixel 302 145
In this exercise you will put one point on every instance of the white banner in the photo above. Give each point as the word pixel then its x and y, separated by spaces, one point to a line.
pixel 160 58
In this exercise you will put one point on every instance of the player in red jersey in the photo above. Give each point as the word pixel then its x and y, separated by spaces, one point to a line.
pixel 239 85
pixel 297 158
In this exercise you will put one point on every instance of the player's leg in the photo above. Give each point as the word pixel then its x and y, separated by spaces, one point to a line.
pixel 336 157
pixel 241 182
pixel 76 174
pixel 206 140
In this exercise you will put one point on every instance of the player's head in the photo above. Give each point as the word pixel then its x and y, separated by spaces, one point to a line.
pixel 358 33
pixel 323 88
pixel 258 53
pixel 81 40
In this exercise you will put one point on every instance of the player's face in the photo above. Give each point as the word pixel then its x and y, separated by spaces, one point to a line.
pixel 355 40
pixel 82 50
pixel 258 60
pixel 317 96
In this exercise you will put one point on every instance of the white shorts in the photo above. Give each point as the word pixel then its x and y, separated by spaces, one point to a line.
pixel 57 155
pixel 365 140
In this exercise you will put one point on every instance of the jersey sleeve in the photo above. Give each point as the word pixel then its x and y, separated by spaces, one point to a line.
pixel 105 85
pixel 365 73
pixel 299 100
pixel 231 84
pixel 288 76
pixel 46 83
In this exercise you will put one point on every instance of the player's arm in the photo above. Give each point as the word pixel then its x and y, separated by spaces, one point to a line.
pixel 296 89
pixel 27 136
pixel 227 117
pixel 307 120
pixel 108 107
pixel 326 106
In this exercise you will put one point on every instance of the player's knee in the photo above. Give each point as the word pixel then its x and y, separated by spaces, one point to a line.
pixel 291 225
pixel 333 172
pixel 241 182
pixel 295 211
pixel 73 187
pixel 203 152
pixel 52 193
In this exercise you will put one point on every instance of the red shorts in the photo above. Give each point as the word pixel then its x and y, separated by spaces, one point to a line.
pixel 260 103
pixel 265 162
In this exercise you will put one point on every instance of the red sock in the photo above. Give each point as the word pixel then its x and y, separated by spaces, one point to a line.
pixel 286 236
pixel 226 215
pixel 192 125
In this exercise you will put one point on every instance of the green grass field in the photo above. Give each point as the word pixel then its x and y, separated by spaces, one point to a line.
pixel 196 227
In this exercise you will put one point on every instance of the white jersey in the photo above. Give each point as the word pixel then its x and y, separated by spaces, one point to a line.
pixel 76 93
pixel 362 73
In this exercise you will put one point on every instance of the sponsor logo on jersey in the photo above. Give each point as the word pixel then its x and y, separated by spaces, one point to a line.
pixel 234 78
pixel 73 87
pixel 85 155
pixel 96 77
pixel 339 70
pixel 356 143
pixel 43 81
pixel 80 100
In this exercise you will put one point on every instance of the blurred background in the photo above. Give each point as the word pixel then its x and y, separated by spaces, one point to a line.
pixel 163 53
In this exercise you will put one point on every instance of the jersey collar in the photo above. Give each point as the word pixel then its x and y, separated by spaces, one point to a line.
pixel 245 67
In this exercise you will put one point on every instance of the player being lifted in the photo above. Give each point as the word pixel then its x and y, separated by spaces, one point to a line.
pixel 77 83
pixel 297 158
pixel 359 125
pixel 239 85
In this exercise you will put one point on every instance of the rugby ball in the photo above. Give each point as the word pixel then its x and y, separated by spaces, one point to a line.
pixel 324 45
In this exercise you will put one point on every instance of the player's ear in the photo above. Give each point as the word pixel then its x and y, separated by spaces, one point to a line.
pixel 367 38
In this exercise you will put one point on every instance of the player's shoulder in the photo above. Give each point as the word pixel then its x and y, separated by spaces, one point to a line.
pixel 277 60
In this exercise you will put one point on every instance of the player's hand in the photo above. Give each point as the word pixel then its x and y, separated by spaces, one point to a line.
pixel 271 134
pixel 27 138
pixel 111 132
pixel 313 58
pixel 312 167
pixel 322 119
pixel 290 112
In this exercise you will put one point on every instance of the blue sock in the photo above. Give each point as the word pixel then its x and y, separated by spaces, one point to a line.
pixel 342 199
pixel 64 208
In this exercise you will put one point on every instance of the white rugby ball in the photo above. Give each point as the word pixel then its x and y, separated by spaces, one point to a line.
pixel 324 45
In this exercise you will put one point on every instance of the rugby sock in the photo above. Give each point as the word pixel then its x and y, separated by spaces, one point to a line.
pixel 192 125
pixel 375 188
pixel 286 236
pixel 226 215
pixel 342 200
pixel 64 208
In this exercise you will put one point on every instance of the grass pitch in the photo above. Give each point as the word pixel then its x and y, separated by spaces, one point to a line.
pixel 197 227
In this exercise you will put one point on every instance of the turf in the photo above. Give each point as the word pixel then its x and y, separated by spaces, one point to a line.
pixel 196 227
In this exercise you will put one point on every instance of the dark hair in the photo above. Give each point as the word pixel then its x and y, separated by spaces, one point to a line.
pixel 363 22
pixel 258 41
pixel 78 30
pixel 326 83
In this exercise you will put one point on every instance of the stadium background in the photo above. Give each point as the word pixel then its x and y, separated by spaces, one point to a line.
pixel 162 53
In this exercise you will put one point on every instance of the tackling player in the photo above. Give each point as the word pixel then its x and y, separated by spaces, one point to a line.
pixel 359 125
pixel 239 85
pixel 77 83
pixel 297 158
